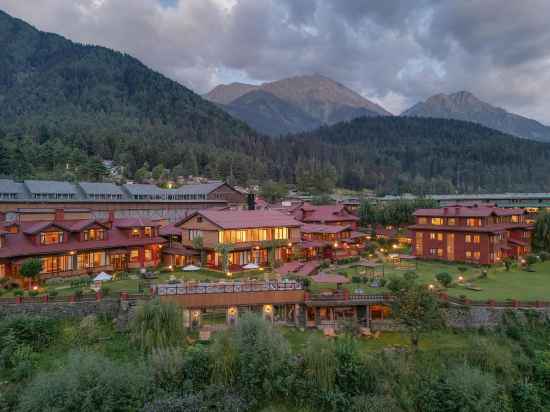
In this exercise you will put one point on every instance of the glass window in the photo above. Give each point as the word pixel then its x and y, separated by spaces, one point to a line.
pixel 451 221
pixel 477 239
pixel 135 233
pixel 437 221
pixel 134 255
pixel 148 255
pixel 148 231
pixel 422 220
pixel 94 234
pixel 2 271
pixel 468 238
pixel 194 233
pixel 50 238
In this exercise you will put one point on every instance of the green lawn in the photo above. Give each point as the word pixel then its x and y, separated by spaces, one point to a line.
pixel 499 284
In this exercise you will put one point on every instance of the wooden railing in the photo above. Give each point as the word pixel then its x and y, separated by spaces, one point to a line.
pixel 226 287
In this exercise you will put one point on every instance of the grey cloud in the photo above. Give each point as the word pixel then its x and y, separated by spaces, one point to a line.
pixel 395 51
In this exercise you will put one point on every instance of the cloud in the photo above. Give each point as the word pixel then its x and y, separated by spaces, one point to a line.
pixel 387 50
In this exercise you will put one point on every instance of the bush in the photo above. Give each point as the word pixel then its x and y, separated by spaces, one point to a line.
pixel 18 293
pixel 167 369
pixel 544 256
pixel 87 382
pixel 33 293
pixel 35 331
pixel 105 290
pixel 53 293
pixel 196 366
pixel 157 325
pixel 444 278
pixel 531 259
pixel 526 398
pixel 213 398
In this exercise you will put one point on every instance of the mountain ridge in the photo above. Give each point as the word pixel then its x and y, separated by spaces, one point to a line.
pixel 464 105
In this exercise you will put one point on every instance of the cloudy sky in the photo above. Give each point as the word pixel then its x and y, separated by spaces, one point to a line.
pixel 395 52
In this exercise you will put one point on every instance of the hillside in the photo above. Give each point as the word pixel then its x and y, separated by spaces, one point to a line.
pixel 313 100
pixel 417 155
pixel 267 113
pixel 103 102
pixel 465 106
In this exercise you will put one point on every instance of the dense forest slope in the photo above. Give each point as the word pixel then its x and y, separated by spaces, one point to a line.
pixel 65 106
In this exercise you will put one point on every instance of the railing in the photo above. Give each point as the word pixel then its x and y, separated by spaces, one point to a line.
pixel 511 303
pixel 342 296
pixel 227 287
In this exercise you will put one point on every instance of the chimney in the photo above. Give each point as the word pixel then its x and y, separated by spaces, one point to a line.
pixel 59 214
pixel 251 201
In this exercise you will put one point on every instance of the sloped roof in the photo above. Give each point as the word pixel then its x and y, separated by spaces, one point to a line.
pixel 143 189
pixel 200 188
pixel 468 211
pixel 50 187
pixel 135 222
pixel 245 219
pixel 313 228
pixel 324 213
pixel 11 187
pixel 92 188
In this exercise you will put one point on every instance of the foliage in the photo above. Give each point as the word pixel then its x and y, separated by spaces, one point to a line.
pixel 273 191
pixel 444 278
pixel 223 249
pixel 167 368
pixel 87 382
pixel 415 308
pixel 157 325
pixel 396 213
pixel 31 268
pixel 35 331
pixel 541 234
pixel 198 243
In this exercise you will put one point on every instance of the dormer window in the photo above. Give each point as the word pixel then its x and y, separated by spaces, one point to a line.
pixel 148 231
pixel 51 238
pixel 135 234
pixel 94 234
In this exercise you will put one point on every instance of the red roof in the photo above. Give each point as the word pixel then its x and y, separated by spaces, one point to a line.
pixel 169 230
pixel 496 228
pixel 245 219
pixel 324 213
pixel 313 228
pixel 135 222
pixel 468 211
pixel 20 244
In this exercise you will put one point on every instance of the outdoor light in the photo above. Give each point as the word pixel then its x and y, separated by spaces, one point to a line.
pixel 171 267
pixel 289 244
pixel 35 287
pixel 395 246
pixel 335 244
pixel 261 269
pixel 430 286
pixel 228 274
pixel 461 278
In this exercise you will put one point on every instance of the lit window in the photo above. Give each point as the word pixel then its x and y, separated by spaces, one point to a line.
pixel 148 255
pixel 194 233
pixel 50 238
pixel 422 221
pixel 134 255
pixel 468 254
pixel 476 239
pixel 477 255
pixel 135 233
pixel 437 221
pixel 148 231
pixel 468 238
pixel 94 234
pixel 451 221
pixel 432 235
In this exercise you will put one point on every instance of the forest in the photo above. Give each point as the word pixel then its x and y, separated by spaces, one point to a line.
pixel 64 107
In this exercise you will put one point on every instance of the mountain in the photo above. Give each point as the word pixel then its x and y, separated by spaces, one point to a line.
pixel 310 97
pixel 465 106
pixel 102 103
pixel 267 113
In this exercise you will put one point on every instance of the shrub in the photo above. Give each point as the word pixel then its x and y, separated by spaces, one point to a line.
pixel 531 259
pixel 33 293
pixel 213 398
pixel 444 278
pixel 87 382
pixel 53 293
pixel 196 366
pixel 157 325
pixel 105 290
pixel 544 256
pixel 167 368
pixel 18 293
pixel 526 397
pixel 35 331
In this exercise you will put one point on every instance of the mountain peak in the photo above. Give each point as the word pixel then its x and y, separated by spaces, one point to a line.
pixel 464 105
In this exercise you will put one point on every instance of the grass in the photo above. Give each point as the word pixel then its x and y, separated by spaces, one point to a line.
pixel 499 284
pixel 436 340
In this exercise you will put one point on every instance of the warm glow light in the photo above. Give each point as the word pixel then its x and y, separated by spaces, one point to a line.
pixel 35 287
pixel 72 252
pixel 289 244
pixel 171 267
pixel 395 246
pixel 228 274
pixel 261 269
pixel 335 244
pixel 460 278
pixel 430 286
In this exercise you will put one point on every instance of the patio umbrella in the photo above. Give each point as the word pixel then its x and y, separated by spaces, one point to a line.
pixel 251 266
pixel 191 268
pixel 102 277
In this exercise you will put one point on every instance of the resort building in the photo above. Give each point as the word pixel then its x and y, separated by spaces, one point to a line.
pixel 72 242
pixel 247 236
pixel 330 241
pixel 336 214
pixel 478 234
pixel 128 200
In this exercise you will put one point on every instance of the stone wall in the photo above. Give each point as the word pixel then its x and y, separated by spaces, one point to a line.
pixel 465 317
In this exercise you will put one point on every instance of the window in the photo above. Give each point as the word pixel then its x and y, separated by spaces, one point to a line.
pixel 440 236
pixel 148 231
pixel 422 220
pixel 468 254
pixel 134 255
pixel 468 238
pixel 199 219
pixel 515 219
pixel 473 222
pixel 432 235
pixel 194 233
pixel 50 238
pixel 91 260
pixel 476 239
pixel 419 246
pixel 94 234
pixel 437 221
pixel 451 221
pixel 477 255
pixel 2 271
pixel 281 233
pixel 135 234
pixel 148 255
pixel 54 264
pixel 440 252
